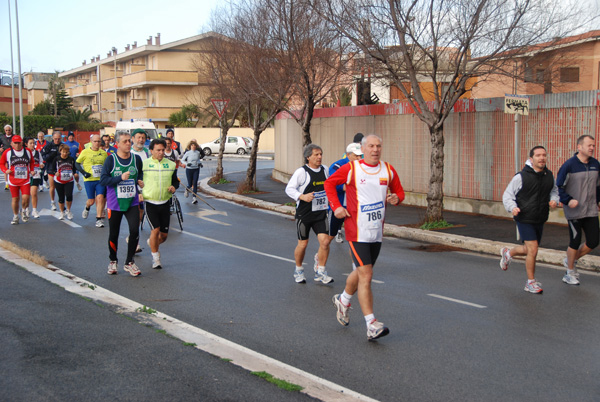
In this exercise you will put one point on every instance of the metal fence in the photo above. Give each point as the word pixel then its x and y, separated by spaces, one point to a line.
pixel 479 139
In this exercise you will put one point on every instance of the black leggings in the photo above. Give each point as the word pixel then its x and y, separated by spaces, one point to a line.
pixel 589 226
pixel 64 191
pixel 192 179
pixel 114 226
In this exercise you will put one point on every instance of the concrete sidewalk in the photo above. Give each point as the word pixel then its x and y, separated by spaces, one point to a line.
pixel 473 232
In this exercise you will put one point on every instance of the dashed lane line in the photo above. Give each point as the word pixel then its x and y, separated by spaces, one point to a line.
pixel 457 301
pixel 205 341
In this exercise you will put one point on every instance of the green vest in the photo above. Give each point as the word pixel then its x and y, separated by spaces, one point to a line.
pixel 157 179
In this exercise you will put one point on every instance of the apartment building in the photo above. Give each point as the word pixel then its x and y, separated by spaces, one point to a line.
pixel 143 82
pixel 6 94
pixel 563 65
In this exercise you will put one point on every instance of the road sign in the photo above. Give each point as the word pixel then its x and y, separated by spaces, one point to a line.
pixel 516 104
pixel 220 105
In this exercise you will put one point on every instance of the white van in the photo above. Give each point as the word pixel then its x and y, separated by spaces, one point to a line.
pixel 146 125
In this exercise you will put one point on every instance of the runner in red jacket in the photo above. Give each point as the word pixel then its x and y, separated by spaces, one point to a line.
pixel 18 163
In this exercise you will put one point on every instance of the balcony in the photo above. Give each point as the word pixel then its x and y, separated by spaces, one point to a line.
pixel 154 113
pixel 145 78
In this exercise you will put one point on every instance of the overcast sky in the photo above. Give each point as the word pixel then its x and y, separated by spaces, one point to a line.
pixel 60 34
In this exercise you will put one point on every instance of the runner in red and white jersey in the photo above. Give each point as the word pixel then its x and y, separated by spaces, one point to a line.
pixel 370 184
pixel 17 163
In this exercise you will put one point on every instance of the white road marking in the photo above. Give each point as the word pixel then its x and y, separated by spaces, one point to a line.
pixel 239 355
pixel 56 214
pixel 203 213
pixel 457 301
pixel 238 247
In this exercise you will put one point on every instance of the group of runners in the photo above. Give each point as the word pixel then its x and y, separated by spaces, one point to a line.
pixel 356 190
pixel 122 177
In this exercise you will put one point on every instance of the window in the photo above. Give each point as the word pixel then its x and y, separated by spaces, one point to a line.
pixel 539 75
pixel 528 76
pixel 569 74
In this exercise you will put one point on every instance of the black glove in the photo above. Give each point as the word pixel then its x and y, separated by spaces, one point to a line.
pixel 200 164
pixel 87 175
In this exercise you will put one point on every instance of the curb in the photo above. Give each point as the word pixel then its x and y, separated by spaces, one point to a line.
pixel 549 256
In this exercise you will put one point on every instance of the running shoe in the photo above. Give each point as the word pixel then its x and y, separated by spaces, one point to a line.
pixel 85 213
pixel 342 310
pixel 112 268
pixel 41 188
pixel 61 216
pixel 99 223
pixel 35 214
pixel 132 269
pixel 376 330
pixel 53 205
pixel 321 276
pixel 15 220
pixel 69 214
pixel 194 200
pixel 156 262
pixel 506 258
pixel 24 216
pixel 187 194
pixel 571 278
pixel 299 276
pixel 338 237
pixel 138 249
pixel 533 287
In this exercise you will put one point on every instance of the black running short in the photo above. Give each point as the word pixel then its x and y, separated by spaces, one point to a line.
pixel 364 253
pixel 303 228
pixel 159 216
pixel 589 226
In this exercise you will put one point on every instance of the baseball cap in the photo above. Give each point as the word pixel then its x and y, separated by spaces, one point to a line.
pixel 354 148
pixel 138 130
pixel 16 138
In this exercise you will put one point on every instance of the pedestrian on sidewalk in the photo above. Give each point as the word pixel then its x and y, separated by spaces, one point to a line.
pixel 367 182
pixel 528 197
pixel 578 182
pixel 306 187
pixel 122 175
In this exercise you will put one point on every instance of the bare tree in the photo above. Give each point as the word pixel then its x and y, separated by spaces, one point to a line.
pixel 413 41
pixel 313 53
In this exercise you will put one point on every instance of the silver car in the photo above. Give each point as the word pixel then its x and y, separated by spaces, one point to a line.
pixel 234 145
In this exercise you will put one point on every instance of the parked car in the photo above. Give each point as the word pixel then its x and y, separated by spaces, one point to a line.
pixel 234 145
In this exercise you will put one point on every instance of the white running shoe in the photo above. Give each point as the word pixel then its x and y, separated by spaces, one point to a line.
pixel 85 213
pixel 342 310
pixel 15 220
pixel 299 276
pixel 53 205
pixel 194 200
pixel 35 214
pixel 571 278
pixel 156 262
pixel 41 188
pixel 61 216
pixel 99 223
pixel 24 215
pixel 506 258
pixel 338 237
pixel 376 330
pixel 132 269
pixel 187 194
pixel 321 276
pixel 79 187
pixel 69 215
pixel 112 268
pixel 533 287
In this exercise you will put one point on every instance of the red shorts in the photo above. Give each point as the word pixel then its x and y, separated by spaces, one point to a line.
pixel 14 190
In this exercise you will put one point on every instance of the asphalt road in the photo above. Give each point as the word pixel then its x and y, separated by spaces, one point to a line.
pixel 461 329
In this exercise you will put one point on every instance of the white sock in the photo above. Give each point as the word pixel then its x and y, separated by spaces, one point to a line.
pixel 156 256
pixel 321 268
pixel 369 318
pixel 299 268
pixel 530 280
pixel 345 298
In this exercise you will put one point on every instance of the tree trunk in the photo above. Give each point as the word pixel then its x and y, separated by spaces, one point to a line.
pixel 435 195
pixel 224 131
pixel 310 111
pixel 251 172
